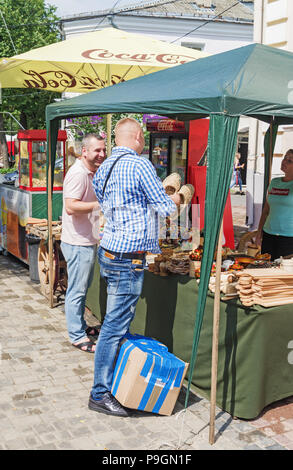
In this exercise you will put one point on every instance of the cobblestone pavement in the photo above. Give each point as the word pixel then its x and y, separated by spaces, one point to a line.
pixel 45 384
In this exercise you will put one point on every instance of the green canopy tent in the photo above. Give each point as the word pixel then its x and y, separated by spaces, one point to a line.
pixel 254 81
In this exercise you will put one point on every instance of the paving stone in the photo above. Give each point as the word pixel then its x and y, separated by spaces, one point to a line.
pixel 65 445
pixel 15 444
pixel 44 428
pixel 242 426
pixel 47 447
pixel 63 435
pixel 114 446
pixel 83 443
pixel 45 384
pixel 79 431
pixel 8 435
pixel 276 447
pixel 252 436
pixel 252 447
pixel 26 422
pixel 135 443
pixel 98 427
pixel 5 382
pixel 201 444
pixel 192 421
pixel 48 438
pixel 221 443
pixel 4 314
pixel 266 441
pixel 32 441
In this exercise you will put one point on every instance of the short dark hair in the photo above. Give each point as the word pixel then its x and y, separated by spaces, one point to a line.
pixel 87 138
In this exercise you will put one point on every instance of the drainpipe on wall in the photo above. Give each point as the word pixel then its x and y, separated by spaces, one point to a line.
pixel 254 128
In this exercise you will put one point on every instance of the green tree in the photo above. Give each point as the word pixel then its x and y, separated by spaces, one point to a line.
pixel 25 25
pixel 98 125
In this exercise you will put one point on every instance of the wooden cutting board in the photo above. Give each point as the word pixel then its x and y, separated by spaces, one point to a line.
pixel 259 273
pixel 271 291
pixel 275 285
pixel 267 287
pixel 273 294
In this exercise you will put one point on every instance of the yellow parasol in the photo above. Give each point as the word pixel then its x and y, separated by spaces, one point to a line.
pixel 79 64
pixel 91 61
pixel 88 62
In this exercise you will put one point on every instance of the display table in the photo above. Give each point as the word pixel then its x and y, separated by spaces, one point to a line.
pixel 253 367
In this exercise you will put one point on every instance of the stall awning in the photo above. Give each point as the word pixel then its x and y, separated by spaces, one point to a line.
pixel 254 80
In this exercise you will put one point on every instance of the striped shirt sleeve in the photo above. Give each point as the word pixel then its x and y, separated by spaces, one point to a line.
pixel 153 190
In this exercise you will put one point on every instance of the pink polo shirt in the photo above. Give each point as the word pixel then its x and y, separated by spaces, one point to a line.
pixel 81 229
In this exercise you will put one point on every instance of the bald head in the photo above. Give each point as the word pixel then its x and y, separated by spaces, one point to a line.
pixel 129 133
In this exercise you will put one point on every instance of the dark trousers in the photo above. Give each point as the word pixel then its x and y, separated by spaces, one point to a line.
pixel 276 245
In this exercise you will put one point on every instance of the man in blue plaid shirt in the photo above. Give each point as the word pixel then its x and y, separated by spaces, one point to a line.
pixel 131 196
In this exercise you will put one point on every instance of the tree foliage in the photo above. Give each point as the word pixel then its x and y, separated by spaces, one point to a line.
pixel 29 24
pixel 83 125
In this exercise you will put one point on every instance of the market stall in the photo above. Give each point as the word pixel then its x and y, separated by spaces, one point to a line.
pixel 251 81
pixel 253 369
pixel 28 199
pixel 256 301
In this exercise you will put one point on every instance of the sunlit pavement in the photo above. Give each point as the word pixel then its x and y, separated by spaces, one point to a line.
pixel 45 384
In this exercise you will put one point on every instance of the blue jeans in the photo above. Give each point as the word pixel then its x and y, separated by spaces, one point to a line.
pixel 124 280
pixel 234 180
pixel 80 267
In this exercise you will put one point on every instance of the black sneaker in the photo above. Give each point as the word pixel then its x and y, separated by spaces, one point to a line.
pixel 108 405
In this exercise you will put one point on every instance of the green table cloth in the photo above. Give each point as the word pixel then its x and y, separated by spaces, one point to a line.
pixel 253 365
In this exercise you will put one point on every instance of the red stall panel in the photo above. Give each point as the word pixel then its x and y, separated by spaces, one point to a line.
pixel 197 177
pixel 198 140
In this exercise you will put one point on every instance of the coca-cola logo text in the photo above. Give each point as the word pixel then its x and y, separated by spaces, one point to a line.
pixel 168 59
pixel 60 79
pixel 170 125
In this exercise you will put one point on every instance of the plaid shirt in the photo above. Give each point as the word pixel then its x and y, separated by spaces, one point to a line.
pixel 134 196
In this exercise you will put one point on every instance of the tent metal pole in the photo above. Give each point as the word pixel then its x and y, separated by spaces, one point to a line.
pixel 271 150
pixel 109 116
pixel 50 232
pixel 216 320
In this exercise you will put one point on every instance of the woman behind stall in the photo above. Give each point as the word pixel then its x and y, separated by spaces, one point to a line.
pixel 275 229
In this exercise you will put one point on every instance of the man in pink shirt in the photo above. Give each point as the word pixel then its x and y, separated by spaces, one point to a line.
pixel 80 234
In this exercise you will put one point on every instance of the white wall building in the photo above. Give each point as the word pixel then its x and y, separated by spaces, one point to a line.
pixel 210 25
pixel 273 26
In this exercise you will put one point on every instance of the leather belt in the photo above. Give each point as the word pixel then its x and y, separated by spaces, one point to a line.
pixel 132 255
